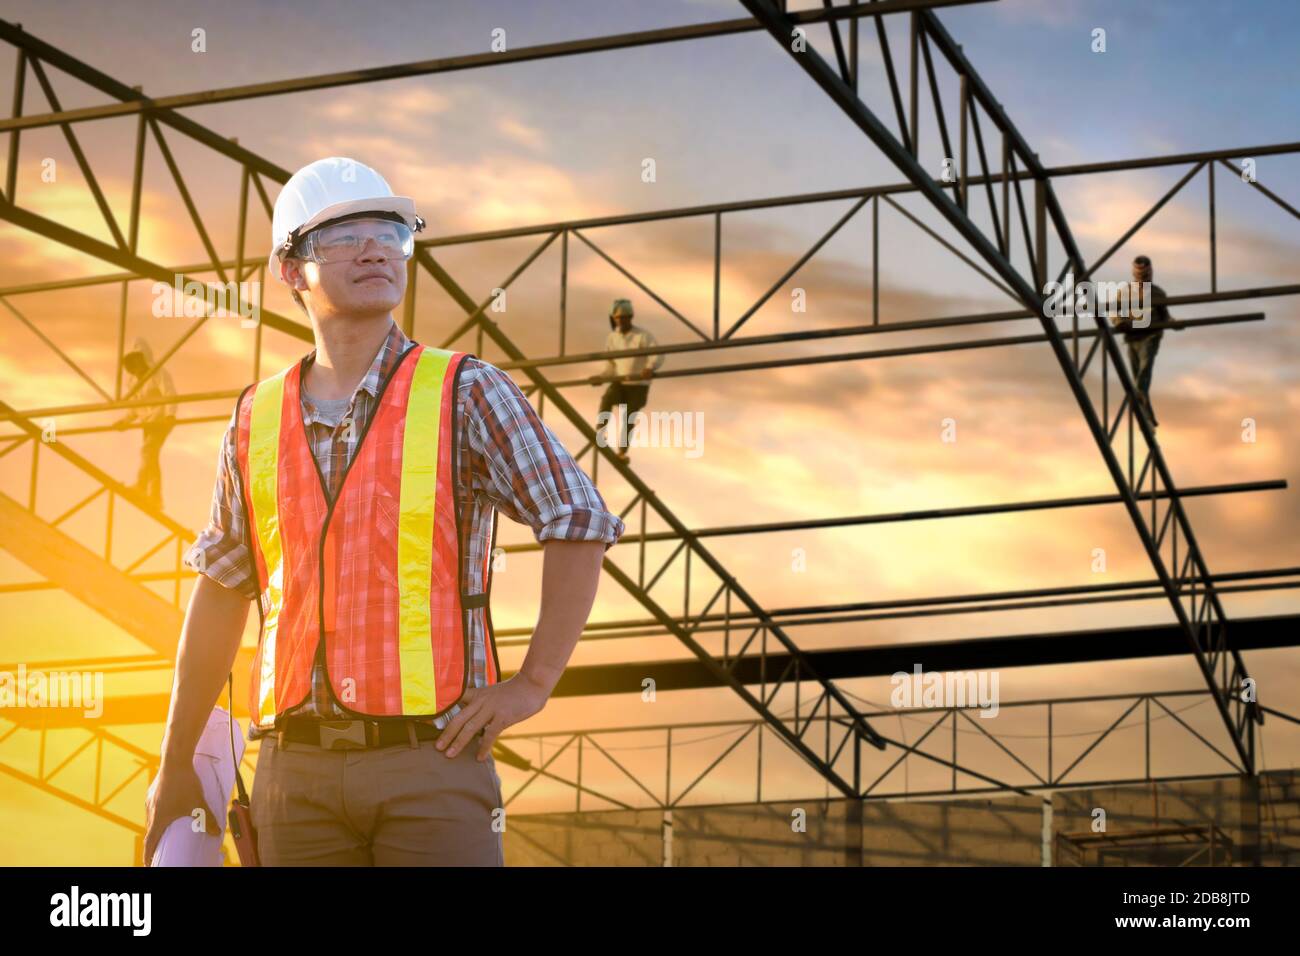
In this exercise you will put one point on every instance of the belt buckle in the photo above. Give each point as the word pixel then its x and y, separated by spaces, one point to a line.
pixel 343 735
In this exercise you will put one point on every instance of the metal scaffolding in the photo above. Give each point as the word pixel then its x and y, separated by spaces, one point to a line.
pixel 734 641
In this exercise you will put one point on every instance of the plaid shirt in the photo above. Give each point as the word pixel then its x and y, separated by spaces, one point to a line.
pixel 510 461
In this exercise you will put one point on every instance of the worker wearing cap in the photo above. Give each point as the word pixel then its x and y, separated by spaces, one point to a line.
pixel 355 502
pixel 627 375
pixel 156 419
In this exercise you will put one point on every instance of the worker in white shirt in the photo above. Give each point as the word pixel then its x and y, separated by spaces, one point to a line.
pixel 156 420
pixel 627 375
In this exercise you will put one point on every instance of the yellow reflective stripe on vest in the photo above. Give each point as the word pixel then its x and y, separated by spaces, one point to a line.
pixel 420 445
pixel 264 475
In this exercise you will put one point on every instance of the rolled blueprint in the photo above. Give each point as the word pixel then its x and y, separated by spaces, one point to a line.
pixel 180 845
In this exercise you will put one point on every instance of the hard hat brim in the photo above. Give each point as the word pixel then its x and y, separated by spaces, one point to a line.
pixel 404 206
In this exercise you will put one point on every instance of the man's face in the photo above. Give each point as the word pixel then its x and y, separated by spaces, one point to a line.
pixel 1141 272
pixel 624 321
pixel 134 364
pixel 369 283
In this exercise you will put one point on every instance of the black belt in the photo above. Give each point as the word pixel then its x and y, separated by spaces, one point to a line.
pixel 359 734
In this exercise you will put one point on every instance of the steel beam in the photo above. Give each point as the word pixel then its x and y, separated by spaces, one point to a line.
pixel 141 104
pixel 830 697
pixel 1209 645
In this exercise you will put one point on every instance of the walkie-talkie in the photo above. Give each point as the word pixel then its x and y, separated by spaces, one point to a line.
pixel 242 832
pixel 240 817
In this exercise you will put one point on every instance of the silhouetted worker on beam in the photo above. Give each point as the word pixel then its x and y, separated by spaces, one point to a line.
pixel 156 420
pixel 629 387
pixel 1143 341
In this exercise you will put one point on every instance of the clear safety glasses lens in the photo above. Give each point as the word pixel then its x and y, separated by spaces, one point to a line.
pixel 346 240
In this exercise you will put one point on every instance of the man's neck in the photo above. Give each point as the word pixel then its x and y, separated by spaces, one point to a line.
pixel 345 348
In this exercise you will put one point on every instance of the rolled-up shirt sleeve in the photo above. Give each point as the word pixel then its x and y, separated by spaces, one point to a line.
pixel 221 550
pixel 524 470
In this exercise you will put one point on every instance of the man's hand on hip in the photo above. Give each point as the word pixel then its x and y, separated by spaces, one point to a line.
pixel 491 709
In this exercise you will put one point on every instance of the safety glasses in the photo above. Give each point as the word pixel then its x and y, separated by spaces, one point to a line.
pixel 346 240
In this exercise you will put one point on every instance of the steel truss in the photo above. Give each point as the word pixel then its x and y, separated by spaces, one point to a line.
pixel 1191 590
pixel 99 753
pixel 838 664
pixel 83 765
pixel 1205 622
pixel 1040 772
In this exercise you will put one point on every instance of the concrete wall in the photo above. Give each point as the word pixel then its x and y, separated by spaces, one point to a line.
pixel 603 838
pixel 1228 804
pixel 1279 822
pixel 1005 832
pixel 1260 817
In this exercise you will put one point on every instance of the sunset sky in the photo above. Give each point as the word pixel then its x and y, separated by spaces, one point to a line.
pixel 725 119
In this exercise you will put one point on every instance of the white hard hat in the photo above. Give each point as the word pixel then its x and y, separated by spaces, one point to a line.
pixel 329 189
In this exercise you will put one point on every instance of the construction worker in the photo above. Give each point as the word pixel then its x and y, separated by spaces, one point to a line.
pixel 1143 342
pixel 156 420
pixel 356 501
pixel 629 387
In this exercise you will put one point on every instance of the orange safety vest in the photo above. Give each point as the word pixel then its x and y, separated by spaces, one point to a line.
pixel 372 583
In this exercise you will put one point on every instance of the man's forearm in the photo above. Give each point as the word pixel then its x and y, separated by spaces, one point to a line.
pixel 214 625
pixel 570 577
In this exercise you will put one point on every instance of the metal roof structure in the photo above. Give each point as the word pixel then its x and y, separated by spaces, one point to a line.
pixel 1004 221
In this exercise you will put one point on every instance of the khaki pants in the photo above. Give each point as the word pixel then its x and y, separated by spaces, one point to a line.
pixel 388 806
